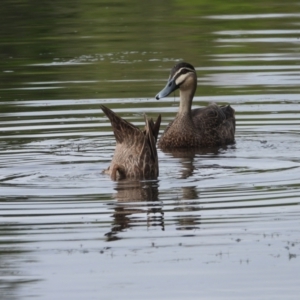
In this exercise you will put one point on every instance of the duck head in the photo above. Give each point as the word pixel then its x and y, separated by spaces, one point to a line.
pixel 183 76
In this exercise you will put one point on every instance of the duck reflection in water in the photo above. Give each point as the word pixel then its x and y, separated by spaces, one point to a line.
pixel 189 202
pixel 137 204
pixel 188 205
pixel 187 158
pixel 135 155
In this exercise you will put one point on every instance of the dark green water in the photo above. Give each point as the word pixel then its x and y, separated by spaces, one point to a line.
pixel 220 224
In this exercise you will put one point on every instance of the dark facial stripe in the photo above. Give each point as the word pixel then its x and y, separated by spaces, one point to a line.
pixel 182 71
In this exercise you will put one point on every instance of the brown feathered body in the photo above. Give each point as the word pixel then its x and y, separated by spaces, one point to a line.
pixel 135 155
pixel 200 128
pixel 203 128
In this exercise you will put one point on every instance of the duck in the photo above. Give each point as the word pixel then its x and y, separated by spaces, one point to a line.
pixel 205 127
pixel 135 156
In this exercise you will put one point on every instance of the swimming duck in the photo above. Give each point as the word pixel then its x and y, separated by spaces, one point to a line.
pixel 135 155
pixel 201 127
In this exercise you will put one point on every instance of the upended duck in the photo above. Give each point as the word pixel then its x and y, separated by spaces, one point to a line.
pixel 135 156
pixel 201 127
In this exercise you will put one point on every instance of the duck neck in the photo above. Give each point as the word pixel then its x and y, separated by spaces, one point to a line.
pixel 186 98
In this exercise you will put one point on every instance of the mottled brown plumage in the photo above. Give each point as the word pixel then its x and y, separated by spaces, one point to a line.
pixel 135 155
pixel 200 128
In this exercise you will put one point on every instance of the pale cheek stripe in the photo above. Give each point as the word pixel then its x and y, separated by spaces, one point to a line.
pixel 181 78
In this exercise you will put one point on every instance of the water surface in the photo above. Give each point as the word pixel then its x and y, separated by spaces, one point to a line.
pixel 218 223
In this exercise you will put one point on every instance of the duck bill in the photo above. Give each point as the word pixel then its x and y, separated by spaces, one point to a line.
pixel 167 90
